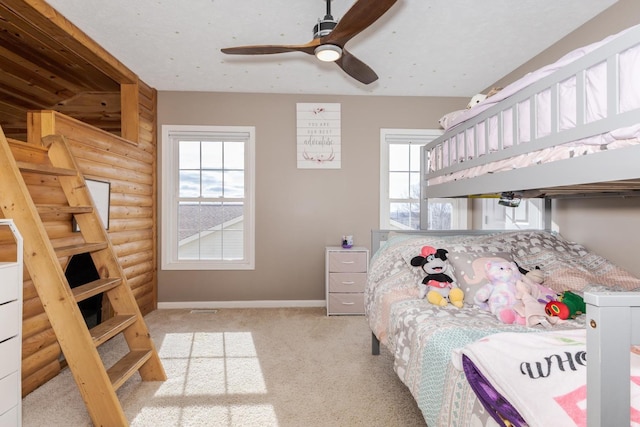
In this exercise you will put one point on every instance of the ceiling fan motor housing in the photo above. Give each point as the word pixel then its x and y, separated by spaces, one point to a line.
pixel 324 26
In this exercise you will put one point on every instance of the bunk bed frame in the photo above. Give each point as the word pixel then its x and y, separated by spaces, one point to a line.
pixel 584 174
pixel 613 322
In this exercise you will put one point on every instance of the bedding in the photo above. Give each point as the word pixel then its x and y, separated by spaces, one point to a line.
pixel 423 337
pixel 544 375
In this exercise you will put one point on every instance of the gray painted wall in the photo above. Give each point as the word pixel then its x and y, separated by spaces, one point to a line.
pixel 300 211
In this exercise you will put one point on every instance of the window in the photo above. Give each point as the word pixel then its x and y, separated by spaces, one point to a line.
pixel 208 198
pixel 400 182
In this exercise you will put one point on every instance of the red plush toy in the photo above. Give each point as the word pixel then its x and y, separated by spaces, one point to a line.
pixel 569 305
pixel 558 309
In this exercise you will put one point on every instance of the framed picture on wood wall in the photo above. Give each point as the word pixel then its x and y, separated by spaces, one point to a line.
pixel 101 193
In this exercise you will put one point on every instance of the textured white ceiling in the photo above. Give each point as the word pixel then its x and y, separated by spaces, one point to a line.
pixel 418 48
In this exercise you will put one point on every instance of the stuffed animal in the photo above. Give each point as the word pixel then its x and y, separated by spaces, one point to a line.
pixel 532 299
pixel 568 306
pixel 478 98
pixel 499 296
pixel 535 275
pixel 439 285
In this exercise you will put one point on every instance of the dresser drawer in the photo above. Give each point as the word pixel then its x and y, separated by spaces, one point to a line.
pixel 10 418
pixel 10 351
pixel 9 318
pixel 343 303
pixel 9 278
pixel 347 282
pixel 8 392
pixel 347 262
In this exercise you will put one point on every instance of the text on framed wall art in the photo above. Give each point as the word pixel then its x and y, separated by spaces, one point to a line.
pixel 318 135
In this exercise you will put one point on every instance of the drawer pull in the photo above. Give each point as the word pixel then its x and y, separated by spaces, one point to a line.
pixel 348 262
pixel 349 283
pixel 348 303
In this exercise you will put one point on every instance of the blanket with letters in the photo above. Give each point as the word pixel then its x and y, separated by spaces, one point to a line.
pixel 536 379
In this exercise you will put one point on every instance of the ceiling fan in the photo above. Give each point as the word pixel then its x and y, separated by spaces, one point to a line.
pixel 330 37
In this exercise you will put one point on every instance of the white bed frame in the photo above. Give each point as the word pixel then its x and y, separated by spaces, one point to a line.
pixel 613 326
pixel 623 164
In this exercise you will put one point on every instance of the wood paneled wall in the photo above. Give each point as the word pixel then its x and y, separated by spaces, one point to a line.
pixel 50 64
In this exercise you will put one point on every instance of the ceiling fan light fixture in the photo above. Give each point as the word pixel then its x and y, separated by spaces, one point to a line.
pixel 328 52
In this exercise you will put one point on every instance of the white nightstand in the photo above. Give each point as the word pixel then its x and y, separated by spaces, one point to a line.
pixel 10 326
pixel 345 279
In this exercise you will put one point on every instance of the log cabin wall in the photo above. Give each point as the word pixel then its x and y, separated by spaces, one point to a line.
pixel 50 67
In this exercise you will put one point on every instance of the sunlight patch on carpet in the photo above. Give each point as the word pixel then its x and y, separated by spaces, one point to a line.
pixel 210 363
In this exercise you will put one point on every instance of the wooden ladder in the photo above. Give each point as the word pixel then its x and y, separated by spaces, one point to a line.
pixel 96 383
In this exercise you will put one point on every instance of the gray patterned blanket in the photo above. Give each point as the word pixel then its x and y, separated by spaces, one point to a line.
pixel 422 337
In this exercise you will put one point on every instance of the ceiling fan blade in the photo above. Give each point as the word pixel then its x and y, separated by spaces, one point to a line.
pixel 356 68
pixel 362 14
pixel 271 49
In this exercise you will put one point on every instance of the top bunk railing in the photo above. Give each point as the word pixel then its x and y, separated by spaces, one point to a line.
pixel 471 143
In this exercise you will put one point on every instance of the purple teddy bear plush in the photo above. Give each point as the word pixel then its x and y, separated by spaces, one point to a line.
pixel 499 295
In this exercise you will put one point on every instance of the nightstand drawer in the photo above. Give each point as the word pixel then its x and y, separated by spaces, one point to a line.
pixel 347 282
pixel 347 262
pixel 346 303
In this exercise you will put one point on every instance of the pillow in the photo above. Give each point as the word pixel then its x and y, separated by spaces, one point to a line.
pixel 446 120
pixel 396 253
pixel 468 268
pixel 457 243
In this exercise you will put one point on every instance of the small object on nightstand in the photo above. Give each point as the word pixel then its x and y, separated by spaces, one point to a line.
pixel 345 279
pixel 347 242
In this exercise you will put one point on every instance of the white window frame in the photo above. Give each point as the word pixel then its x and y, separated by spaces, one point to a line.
pixel 169 191
pixel 407 136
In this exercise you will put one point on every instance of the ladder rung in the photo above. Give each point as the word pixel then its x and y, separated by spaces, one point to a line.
pixel 111 327
pixel 58 209
pixel 81 248
pixel 96 287
pixel 127 366
pixel 45 169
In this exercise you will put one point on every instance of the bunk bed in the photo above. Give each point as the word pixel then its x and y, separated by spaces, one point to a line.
pixel 549 133
pixel 570 128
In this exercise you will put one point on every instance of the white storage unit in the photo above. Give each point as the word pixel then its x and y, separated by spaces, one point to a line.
pixel 346 276
pixel 10 325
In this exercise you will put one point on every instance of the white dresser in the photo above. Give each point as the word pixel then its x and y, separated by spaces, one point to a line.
pixel 345 277
pixel 10 324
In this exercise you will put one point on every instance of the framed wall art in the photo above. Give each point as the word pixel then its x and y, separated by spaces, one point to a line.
pixel 101 193
pixel 318 135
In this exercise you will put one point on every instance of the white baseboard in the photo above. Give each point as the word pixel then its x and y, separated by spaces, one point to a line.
pixel 243 304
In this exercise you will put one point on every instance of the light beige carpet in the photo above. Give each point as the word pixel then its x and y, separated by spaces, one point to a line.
pixel 248 367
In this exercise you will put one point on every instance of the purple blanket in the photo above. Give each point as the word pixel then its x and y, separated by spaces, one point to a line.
pixel 495 404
